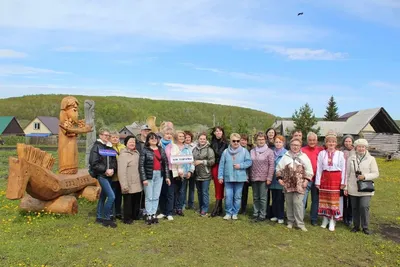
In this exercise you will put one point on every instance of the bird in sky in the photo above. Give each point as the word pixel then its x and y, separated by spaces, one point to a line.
pixel 299 14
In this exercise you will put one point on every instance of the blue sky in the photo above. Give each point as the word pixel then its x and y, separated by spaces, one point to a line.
pixel 256 54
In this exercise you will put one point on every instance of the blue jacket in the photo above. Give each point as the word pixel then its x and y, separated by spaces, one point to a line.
pixel 226 170
pixel 275 184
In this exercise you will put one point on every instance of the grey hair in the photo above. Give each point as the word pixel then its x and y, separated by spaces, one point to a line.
pixel 114 133
pixel 168 129
pixel 103 130
pixel 312 134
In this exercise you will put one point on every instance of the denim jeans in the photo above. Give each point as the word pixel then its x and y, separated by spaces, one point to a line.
pixel 116 186
pixel 167 197
pixel 152 193
pixel 314 200
pixel 107 197
pixel 233 197
pixel 180 195
pixel 203 195
pixel 190 194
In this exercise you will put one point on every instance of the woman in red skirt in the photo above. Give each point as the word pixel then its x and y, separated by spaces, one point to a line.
pixel 329 179
pixel 218 144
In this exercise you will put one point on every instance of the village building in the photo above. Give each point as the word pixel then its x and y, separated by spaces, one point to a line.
pixel 375 125
pixel 42 126
pixel 10 126
pixel 133 129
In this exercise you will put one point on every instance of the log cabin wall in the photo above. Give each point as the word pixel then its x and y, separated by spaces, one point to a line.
pixel 383 143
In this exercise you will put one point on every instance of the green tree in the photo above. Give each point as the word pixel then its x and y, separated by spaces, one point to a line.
pixel 242 127
pixel 331 113
pixel 228 129
pixel 305 120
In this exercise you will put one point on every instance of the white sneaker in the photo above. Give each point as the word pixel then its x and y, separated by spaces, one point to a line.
pixel 281 221
pixel 234 217
pixel 289 225
pixel 325 222
pixel 332 224
pixel 227 217
pixel 274 219
pixel 160 216
pixel 304 229
pixel 170 218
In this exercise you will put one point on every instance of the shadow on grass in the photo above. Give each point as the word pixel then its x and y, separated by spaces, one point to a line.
pixel 390 232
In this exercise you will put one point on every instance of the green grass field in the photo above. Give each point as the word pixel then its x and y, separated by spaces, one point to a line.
pixel 40 239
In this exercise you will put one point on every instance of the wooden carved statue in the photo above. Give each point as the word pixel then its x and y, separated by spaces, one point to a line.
pixel 31 178
pixel 151 122
pixel 70 127
pixel 91 136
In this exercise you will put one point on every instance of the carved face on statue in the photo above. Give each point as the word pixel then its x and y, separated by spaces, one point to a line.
pixel 69 109
pixel 72 113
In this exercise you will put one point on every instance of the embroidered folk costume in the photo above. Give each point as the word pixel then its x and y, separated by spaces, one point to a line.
pixel 330 176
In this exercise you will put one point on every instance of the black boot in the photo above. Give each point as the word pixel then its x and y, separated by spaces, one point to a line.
pixel 216 208
pixel 220 211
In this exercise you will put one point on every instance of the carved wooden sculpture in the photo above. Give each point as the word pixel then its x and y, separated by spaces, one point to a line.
pixel 70 127
pixel 91 136
pixel 32 170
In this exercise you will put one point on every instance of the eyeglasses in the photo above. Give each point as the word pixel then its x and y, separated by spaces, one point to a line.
pixel 153 138
pixel 235 141
pixel 106 135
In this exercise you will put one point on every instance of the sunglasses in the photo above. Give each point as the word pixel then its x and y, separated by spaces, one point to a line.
pixel 235 141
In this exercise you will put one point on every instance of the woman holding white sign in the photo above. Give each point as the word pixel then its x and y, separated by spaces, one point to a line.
pixel 182 169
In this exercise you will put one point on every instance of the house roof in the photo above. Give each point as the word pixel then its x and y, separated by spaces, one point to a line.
pixel 52 123
pixel 347 115
pixel 356 121
pixel 377 117
pixel 4 122
pixel 133 128
pixel 325 126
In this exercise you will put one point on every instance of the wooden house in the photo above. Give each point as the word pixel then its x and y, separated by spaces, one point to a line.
pixel 10 126
pixel 133 129
pixel 42 126
pixel 375 125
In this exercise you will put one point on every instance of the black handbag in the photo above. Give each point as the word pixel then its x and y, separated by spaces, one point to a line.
pixel 363 185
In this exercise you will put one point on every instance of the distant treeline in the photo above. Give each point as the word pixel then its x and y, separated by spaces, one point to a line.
pixel 116 112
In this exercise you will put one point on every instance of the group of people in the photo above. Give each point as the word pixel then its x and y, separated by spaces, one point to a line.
pixel 156 174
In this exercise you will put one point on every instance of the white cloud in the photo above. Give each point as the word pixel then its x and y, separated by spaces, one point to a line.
pixel 175 20
pixel 306 53
pixel 8 70
pixel 68 49
pixel 202 89
pixel 385 85
pixel 238 75
pixel 8 53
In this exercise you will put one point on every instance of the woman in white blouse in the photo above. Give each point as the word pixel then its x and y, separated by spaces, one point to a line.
pixel 329 179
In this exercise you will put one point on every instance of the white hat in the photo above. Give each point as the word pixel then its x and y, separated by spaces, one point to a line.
pixel 361 142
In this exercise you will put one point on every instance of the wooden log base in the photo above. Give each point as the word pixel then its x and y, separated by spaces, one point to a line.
pixel 91 193
pixel 60 205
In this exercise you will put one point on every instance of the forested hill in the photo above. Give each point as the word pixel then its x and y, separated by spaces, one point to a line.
pixel 116 111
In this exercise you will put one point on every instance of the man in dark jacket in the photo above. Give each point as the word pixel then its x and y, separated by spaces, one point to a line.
pixel 103 165
pixel 141 138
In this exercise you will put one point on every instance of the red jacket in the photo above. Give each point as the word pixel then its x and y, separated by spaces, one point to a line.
pixel 312 154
